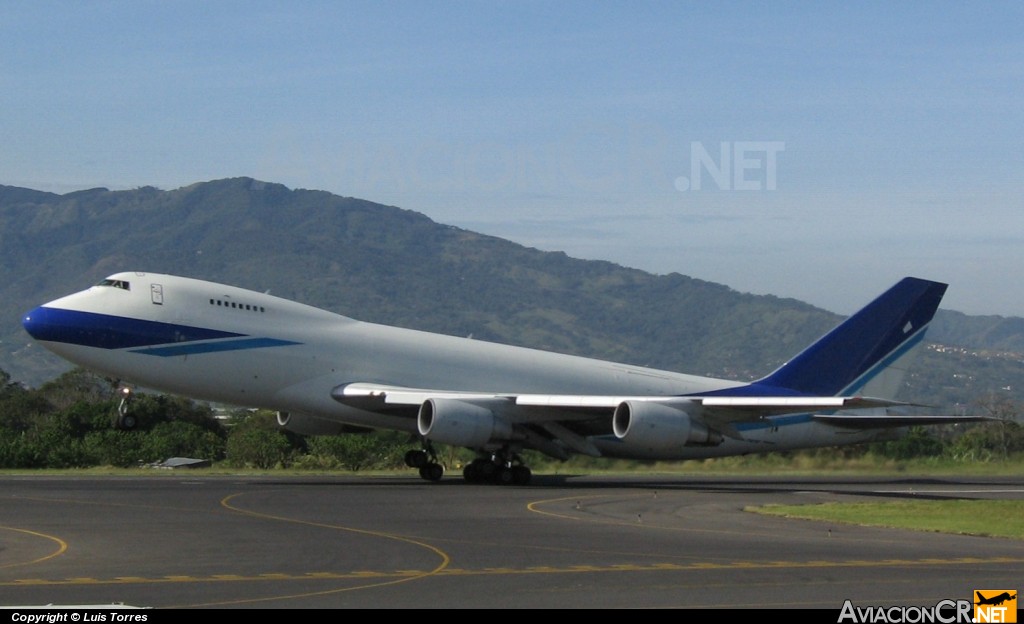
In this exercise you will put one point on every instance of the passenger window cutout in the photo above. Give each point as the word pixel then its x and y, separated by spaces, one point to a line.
pixel 156 293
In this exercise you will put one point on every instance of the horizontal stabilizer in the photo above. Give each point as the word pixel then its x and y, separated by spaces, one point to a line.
pixel 868 421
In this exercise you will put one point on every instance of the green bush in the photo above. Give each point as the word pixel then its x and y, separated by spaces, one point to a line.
pixel 918 442
pixel 365 451
pixel 110 447
pixel 988 441
pixel 183 439
pixel 255 447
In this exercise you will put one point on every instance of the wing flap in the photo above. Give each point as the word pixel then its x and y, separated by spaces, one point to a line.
pixel 397 395
pixel 754 407
pixel 878 421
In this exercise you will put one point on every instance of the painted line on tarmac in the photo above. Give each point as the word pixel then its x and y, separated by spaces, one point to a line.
pixel 394 576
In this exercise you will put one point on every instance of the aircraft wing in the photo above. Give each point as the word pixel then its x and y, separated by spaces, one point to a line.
pixel 719 413
pixel 738 408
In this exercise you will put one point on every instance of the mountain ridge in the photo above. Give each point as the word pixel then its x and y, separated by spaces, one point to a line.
pixel 391 265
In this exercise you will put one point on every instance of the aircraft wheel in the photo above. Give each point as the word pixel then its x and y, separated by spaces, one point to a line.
pixel 521 475
pixel 471 473
pixel 432 472
pixel 435 471
pixel 416 459
pixel 485 471
pixel 504 476
pixel 126 422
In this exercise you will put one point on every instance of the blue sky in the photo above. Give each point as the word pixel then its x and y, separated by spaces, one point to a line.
pixel 810 150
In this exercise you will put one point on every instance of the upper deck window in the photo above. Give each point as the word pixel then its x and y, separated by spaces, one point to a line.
pixel 238 306
pixel 123 285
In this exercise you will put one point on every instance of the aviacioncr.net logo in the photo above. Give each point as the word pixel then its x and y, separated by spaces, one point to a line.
pixel 944 612
pixel 995 605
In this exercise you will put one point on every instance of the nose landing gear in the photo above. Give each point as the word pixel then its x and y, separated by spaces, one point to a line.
pixel 125 421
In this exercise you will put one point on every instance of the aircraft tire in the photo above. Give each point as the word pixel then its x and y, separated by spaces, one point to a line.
pixel 486 471
pixel 432 472
pixel 416 459
pixel 521 475
pixel 504 476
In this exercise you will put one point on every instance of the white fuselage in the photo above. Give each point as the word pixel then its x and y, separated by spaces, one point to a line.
pixel 288 356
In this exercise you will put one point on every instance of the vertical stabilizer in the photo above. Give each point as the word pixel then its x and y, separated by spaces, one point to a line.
pixel 868 353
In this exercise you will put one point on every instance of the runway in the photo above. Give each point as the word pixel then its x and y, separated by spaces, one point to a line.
pixel 186 540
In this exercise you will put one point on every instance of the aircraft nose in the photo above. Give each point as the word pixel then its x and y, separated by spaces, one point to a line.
pixel 37 323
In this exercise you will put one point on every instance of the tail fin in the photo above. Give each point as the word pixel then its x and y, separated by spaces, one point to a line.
pixel 868 353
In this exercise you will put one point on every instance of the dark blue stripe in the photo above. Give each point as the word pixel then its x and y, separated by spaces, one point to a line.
pixel 106 331
pixel 193 348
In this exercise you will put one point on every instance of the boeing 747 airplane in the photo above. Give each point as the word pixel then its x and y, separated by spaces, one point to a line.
pixel 325 373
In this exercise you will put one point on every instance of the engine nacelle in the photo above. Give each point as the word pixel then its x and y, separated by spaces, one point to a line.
pixel 304 424
pixel 659 430
pixel 450 421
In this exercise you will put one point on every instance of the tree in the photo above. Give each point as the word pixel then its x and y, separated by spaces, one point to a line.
pixel 78 385
pixel 992 439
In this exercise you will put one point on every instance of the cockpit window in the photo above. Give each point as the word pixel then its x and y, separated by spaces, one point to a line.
pixel 123 285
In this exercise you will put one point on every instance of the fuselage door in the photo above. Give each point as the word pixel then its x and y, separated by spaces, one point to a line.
pixel 156 293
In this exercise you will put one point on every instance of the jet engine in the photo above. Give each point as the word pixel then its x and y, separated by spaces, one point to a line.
pixel 659 430
pixel 459 423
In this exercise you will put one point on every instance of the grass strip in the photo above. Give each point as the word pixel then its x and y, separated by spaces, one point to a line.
pixel 990 518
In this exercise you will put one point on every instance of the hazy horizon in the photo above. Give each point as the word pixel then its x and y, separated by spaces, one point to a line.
pixel 819 152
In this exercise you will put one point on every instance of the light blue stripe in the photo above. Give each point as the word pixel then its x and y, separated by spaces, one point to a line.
pixel 194 348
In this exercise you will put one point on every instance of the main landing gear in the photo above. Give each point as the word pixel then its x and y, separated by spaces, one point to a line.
pixel 426 461
pixel 500 468
pixel 125 421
